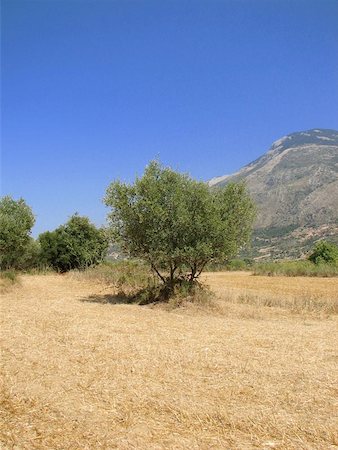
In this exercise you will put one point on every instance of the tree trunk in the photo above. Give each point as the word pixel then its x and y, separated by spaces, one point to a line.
pixel 157 273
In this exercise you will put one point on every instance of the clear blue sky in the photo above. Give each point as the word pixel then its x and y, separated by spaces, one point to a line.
pixel 93 90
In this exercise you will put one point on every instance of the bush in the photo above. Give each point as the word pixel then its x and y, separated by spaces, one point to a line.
pixel 9 275
pixel 8 279
pixel 238 264
pixel 295 269
pixel 232 265
pixel 128 276
pixel 76 245
pixel 324 252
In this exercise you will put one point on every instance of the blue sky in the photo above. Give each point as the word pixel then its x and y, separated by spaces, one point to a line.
pixel 93 90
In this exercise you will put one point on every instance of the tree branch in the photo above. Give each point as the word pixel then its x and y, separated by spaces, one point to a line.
pixel 157 272
pixel 201 269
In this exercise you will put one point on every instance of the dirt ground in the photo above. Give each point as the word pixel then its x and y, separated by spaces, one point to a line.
pixel 79 372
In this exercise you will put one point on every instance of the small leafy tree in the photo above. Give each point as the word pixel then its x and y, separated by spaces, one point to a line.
pixel 178 224
pixel 324 252
pixel 76 245
pixel 16 222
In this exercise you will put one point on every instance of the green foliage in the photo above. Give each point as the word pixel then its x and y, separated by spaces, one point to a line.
pixel 274 232
pixel 238 264
pixel 324 252
pixel 31 259
pixel 295 269
pixel 174 222
pixel 16 222
pixel 76 245
pixel 232 265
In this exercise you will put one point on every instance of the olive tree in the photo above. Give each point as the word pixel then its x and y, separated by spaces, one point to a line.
pixel 77 244
pixel 178 224
pixel 16 222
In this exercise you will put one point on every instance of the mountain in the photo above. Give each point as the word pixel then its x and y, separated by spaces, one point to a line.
pixel 295 187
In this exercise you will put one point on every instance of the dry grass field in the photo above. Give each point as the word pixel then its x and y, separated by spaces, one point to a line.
pixel 257 370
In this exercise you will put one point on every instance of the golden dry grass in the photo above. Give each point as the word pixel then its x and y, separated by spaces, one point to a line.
pixel 317 297
pixel 95 375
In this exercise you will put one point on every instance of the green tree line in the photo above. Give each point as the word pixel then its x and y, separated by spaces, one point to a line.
pixel 176 224
pixel 77 244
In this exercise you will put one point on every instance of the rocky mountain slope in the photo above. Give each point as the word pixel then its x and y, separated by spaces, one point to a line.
pixel 295 187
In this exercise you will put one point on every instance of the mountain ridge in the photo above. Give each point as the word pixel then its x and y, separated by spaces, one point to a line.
pixel 295 187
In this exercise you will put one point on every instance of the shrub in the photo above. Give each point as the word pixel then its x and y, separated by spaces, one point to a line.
pixel 238 264
pixel 76 245
pixel 324 252
pixel 9 275
pixel 295 269
pixel 128 276
pixel 8 279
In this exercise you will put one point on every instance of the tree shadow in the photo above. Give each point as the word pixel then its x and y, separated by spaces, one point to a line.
pixel 149 295
pixel 120 298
